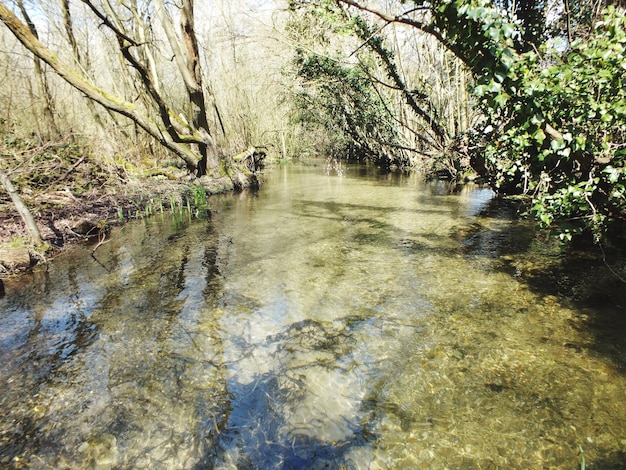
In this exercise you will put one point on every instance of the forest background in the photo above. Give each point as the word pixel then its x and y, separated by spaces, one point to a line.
pixel 108 103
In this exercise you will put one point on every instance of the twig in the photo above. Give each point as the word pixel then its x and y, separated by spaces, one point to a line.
pixel 101 241
pixel 608 266
pixel 80 160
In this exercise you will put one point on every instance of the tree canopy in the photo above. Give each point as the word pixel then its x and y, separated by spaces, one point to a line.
pixel 547 87
pixel 528 95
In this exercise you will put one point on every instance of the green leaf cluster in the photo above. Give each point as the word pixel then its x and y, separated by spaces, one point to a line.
pixel 555 120
pixel 340 98
pixel 563 117
pixel 337 93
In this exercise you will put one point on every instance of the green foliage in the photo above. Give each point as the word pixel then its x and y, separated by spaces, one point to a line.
pixel 557 129
pixel 198 193
pixel 554 120
pixel 483 36
pixel 353 89
pixel 341 98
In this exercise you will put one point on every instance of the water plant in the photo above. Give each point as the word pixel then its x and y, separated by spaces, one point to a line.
pixel 582 457
pixel 149 208
pixel 199 195
pixel 172 203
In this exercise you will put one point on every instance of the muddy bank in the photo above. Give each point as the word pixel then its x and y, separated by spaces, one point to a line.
pixel 66 218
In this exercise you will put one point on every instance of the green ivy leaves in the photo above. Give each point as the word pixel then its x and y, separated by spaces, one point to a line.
pixel 560 119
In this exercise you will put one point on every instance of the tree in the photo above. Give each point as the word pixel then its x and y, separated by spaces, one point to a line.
pixel 176 133
pixel 410 120
pixel 337 92
pixel 344 102
pixel 49 107
pixel 188 61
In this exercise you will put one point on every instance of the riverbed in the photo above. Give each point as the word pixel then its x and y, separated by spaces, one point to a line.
pixel 339 317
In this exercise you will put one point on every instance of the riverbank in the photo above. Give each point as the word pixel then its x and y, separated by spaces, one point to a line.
pixel 66 218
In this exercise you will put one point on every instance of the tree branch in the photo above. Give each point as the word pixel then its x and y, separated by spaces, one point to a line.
pixel 107 22
pixel 96 94
pixel 26 215
pixel 427 28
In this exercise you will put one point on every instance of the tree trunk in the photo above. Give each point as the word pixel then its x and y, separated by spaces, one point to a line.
pixel 167 137
pixel 42 82
pixel 27 217
pixel 188 61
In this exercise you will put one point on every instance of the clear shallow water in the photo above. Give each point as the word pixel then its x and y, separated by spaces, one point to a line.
pixel 353 321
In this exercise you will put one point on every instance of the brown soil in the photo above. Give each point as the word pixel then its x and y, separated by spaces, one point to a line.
pixel 66 219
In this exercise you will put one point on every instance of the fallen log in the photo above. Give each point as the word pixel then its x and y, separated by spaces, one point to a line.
pixel 251 159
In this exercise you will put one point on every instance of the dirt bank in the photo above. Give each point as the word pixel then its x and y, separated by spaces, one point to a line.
pixel 66 218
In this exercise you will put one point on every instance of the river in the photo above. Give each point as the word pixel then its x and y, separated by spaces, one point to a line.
pixel 334 319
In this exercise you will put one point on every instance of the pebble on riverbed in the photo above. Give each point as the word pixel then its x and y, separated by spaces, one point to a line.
pixel 102 451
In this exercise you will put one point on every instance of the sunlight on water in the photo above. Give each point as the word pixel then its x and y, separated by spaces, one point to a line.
pixel 358 320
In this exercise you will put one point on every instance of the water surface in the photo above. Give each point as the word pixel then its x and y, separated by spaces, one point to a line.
pixel 354 320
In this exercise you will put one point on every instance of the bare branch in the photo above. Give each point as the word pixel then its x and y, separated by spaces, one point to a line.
pixel 26 215
pixel 174 42
pixel 110 24
pixel 94 93
pixel 402 18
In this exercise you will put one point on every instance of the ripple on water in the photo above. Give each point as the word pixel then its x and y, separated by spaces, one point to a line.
pixel 343 323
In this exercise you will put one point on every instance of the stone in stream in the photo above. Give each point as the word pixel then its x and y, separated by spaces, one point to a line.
pixel 102 450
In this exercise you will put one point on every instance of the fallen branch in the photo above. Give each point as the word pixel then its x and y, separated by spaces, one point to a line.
pixel 80 160
pixel 27 217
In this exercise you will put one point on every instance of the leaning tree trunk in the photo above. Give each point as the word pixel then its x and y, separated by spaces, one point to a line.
pixel 166 135
pixel 27 217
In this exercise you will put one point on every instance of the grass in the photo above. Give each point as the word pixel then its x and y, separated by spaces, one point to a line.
pixel 582 457
pixel 199 196
pixel 18 242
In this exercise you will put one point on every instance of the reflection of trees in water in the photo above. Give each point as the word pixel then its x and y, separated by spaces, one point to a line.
pixel 139 384
pixel 173 401
pixel 56 334
pixel 280 419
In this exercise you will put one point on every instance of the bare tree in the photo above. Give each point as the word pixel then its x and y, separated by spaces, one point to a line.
pixel 82 61
pixel 42 82
pixel 190 141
